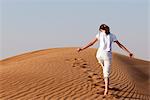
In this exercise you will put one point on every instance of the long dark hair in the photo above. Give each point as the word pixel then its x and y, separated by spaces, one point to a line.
pixel 106 28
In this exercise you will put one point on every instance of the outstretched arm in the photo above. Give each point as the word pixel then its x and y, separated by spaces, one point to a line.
pixel 124 48
pixel 88 45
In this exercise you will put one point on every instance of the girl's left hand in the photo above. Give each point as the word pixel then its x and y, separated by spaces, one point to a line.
pixel 130 55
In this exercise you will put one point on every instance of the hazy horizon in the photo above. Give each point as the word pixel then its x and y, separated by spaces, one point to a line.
pixel 29 25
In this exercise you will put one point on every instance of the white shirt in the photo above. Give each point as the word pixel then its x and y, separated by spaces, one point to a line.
pixel 105 41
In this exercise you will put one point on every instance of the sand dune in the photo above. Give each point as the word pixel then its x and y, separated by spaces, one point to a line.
pixel 64 74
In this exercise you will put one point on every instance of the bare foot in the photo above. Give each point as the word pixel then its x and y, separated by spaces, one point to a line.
pixel 105 92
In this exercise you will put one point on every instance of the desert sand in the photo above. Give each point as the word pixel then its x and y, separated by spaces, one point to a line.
pixel 65 74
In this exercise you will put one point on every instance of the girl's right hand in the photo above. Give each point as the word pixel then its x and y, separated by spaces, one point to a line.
pixel 79 49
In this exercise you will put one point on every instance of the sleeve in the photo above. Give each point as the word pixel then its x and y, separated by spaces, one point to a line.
pixel 98 36
pixel 114 38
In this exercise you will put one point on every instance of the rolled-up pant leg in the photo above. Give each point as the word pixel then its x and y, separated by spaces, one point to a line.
pixel 105 63
pixel 106 68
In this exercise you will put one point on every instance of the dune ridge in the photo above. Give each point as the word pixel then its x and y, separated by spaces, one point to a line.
pixel 64 74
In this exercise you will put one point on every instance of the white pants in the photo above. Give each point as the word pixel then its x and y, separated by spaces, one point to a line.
pixel 105 58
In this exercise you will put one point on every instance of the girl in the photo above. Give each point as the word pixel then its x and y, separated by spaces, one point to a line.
pixel 104 54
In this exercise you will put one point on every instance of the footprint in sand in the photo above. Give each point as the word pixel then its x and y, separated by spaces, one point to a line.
pixel 94 78
pixel 97 83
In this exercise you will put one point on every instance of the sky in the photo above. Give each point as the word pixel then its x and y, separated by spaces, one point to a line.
pixel 30 25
